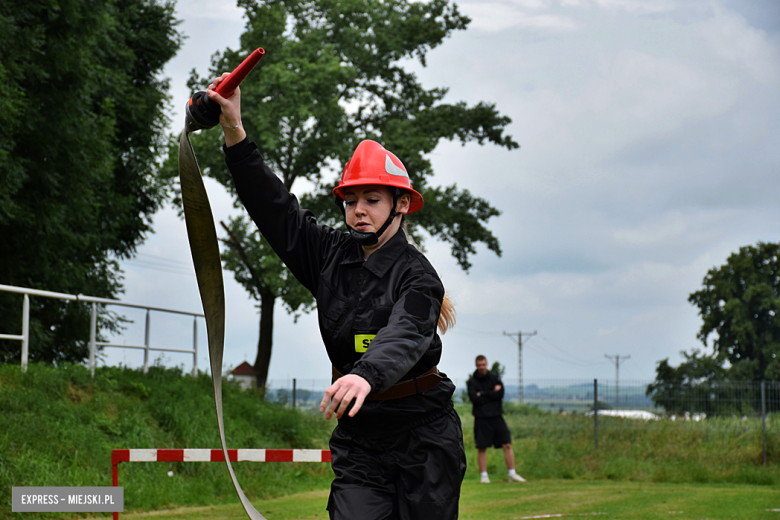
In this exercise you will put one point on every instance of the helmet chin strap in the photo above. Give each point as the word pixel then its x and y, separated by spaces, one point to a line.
pixel 370 238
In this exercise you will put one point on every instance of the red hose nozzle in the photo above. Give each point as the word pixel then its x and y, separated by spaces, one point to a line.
pixel 201 111
pixel 229 84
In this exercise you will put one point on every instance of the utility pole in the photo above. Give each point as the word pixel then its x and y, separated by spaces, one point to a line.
pixel 618 360
pixel 520 359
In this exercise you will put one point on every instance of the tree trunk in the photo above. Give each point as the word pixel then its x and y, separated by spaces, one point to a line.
pixel 265 342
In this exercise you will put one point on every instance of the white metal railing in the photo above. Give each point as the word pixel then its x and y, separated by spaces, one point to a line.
pixel 93 343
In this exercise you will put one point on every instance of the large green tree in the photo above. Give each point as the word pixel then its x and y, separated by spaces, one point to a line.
pixel 81 133
pixel 740 309
pixel 333 75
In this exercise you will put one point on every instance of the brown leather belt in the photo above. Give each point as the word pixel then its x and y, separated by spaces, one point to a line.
pixel 416 385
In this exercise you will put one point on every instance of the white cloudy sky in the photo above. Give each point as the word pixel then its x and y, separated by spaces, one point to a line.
pixel 650 134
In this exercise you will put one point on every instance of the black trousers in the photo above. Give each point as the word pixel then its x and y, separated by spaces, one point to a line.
pixel 415 475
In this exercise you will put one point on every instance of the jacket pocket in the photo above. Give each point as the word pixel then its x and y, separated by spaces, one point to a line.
pixel 332 308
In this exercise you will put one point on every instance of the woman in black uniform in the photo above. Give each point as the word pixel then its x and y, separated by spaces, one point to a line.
pixel 397 451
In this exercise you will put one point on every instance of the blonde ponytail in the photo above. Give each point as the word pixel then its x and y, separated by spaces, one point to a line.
pixel 447 315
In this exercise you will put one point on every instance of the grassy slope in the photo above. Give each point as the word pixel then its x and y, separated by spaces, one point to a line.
pixel 58 427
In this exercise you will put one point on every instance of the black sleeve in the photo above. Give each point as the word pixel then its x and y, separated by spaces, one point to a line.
pixel 494 395
pixel 475 399
pixel 292 232
pixel 410 330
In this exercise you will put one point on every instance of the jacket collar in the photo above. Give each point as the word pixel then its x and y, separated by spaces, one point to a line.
pixel 381 260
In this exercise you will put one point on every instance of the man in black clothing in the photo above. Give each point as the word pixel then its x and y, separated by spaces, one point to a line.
pixel 486 392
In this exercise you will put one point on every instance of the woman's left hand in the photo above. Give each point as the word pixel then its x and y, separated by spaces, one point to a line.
pixel 342 392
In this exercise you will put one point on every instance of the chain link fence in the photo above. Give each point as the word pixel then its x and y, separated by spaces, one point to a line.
pixel 669 399
pixel 721 409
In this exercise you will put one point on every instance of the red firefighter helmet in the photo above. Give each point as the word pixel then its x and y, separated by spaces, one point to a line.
pixel 372 164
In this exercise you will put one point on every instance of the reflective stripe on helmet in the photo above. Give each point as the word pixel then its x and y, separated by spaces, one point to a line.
pixel 392 169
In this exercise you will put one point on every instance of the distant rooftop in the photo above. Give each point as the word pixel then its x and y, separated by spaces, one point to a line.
pixel 244 369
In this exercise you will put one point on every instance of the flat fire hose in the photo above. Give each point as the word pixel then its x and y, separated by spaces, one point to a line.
pixel 202 235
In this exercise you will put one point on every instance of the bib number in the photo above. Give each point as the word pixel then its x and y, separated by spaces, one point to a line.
pixel 362 341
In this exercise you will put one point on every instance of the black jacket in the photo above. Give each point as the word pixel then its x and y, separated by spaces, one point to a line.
pixel 377 317
pixel 488 403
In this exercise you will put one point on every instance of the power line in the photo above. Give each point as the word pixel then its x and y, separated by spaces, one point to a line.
pixel 159 263
pixel 159 267
pixel 562 360
pixel 164 265
pixel 471 333
pixel 575 358
pixel 164 259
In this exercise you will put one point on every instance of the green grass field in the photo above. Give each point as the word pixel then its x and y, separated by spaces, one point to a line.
pixel 504 501
pixel 59 425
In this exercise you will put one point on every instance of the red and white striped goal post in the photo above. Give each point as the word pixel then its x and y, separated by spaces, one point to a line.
pixel 195 455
